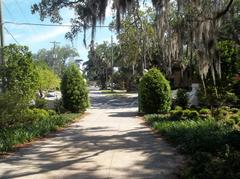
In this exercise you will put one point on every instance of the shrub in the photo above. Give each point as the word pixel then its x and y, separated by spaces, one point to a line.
pixel 11 106
pixel 231 99
pixel 155 117
pixel 234 110
pixel 205 113
pixel 182 98
pixel 192 115
pixel 34 114
pixel 58 105
pixel 19 72
pixel 221 114
pixel 41 103
pixel 74 90
pixel 51 112
pixel 155 93
pixel 235 118
pixel 176 114
pixel 178 108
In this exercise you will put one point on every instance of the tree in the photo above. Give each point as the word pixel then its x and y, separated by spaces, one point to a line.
pixel 187 31
pixel 74 90
pixel 57 57
pixel 19 73
pixel 98 67
pixel 47 79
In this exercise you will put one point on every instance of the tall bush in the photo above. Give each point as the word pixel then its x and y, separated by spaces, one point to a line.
pixel 155 93
pixel 18 72
pixel 74 90
pixel 20 82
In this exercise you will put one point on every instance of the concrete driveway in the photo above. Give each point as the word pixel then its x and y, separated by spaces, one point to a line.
pixel 110 142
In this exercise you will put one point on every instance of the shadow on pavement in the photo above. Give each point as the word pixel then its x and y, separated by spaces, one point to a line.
pixel 80 146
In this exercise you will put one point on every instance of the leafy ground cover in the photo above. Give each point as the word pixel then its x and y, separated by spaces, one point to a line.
pixel 212 146
pixel 26 132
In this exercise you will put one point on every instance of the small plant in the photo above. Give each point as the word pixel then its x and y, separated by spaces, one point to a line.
pixel 193 115
pixel 205 112
pixel 178 108
pixel 29 115
pixel 221 114
pixel 155 93
pixel 176 114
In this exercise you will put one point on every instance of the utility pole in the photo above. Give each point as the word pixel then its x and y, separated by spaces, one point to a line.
pixel 54 52
pixel 1 43
pixel 112 64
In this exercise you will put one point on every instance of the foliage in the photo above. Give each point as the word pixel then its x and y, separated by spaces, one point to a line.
pixel 56 58
pixel 42 124
pixel 99 65
pixel 222 91
pixel 11 106
pixel 204 112
pixel 40 103
pixel 155 92
pixel 182 98
pixel 213 147
pixel 47 79
pixel 30 115
pixel 230 63
pixel 58 105
pixel 187 114
pixel 18 72
pixel 74 90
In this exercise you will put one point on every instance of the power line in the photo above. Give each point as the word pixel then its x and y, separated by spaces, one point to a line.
pixel 48 25
pixel 24 16
pixel 11 35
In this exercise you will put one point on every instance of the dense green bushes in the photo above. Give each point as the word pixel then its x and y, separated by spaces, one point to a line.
pixel 21 118
pixel 74 90
pixel 212 141
pixel 155 93
pixel 18 72
pixel 40 123
pixel 182 98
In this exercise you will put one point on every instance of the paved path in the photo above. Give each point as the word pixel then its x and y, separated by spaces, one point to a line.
pixel 110 142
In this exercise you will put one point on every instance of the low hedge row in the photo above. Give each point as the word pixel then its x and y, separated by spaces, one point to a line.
pixel 42 124
pixel 212 145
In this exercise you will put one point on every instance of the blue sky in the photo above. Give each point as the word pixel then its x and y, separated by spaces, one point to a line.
pixel 36 37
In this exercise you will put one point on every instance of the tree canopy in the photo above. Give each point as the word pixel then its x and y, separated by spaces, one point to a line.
pixel 57 57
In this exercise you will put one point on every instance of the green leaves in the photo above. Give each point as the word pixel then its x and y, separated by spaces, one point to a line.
pixel 74 90
pixel 47 79
pixel 155 93
pixel 19 73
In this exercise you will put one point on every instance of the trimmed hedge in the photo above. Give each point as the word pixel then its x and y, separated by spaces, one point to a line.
pixel 74 90
pixel 154 93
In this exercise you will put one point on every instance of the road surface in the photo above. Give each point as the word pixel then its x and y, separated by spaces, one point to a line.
pixel 109 142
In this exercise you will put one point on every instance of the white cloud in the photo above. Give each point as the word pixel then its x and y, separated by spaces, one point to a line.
pixel 8 38
pixel 45 36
